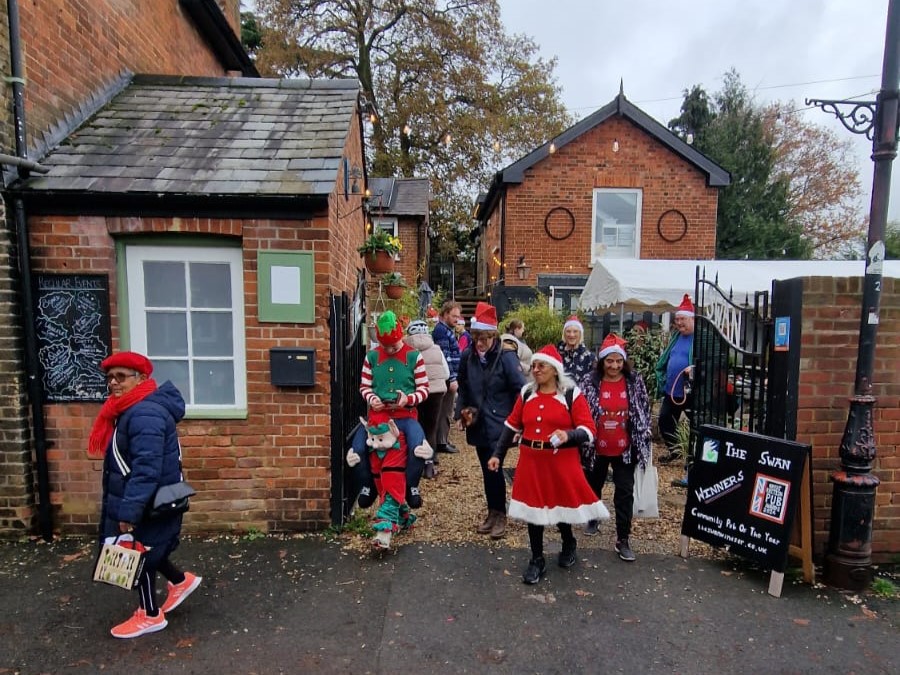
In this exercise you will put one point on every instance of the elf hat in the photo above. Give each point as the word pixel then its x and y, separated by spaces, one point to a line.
pixel 550 356
pixel 485 317
pixel 573 322
pixel 387 329
pixel 612 344
pixel 686 308
pixel 130 360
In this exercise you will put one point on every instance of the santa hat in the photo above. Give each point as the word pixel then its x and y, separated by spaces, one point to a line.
pixel 686 308
pixel 485 317
pixel 573 322
pixel 387 329
pixel 550 356
pixel 431 313
pixel 612 344
pixel 130 360
pixel 417 327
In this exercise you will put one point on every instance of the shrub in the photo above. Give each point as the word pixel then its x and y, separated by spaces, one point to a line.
pixel 644 349
pixel 543 325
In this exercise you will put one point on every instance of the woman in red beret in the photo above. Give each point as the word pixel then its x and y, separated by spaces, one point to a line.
pixel 136 437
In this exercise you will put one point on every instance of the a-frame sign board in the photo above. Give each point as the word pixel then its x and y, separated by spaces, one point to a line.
pixel 743 493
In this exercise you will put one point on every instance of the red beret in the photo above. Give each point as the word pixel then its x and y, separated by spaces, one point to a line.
pixel 130 360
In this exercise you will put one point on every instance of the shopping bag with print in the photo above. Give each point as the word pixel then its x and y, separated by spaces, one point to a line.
pixel 120 561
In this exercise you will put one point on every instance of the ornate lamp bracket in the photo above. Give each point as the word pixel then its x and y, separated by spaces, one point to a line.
pixel 858 116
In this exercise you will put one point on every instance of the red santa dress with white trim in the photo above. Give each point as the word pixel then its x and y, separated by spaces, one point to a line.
pixel 549 486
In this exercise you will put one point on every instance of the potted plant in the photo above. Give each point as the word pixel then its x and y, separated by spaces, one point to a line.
pixel 394 285
pixel 378 251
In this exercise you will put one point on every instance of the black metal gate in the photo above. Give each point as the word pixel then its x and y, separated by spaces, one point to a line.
pixel 731 350
pixel 347 323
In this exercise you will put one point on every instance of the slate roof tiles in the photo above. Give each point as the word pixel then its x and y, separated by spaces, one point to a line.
pixel 196 135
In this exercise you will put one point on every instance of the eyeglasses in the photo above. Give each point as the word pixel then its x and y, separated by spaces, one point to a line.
pixel 119 377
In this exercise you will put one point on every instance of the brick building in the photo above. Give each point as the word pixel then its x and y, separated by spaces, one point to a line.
pixel 203 218
pixel 616 184
pixel 401 206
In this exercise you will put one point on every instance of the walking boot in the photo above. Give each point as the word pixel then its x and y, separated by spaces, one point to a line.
pixel 535 570
pixel 624 550
pixel 488 524
pixel 567 554
pixel 498 531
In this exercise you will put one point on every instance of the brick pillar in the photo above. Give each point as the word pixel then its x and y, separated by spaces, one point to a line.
pixel 17 512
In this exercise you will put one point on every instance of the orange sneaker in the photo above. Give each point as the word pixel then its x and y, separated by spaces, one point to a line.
pixel 140 624
pixel 178 593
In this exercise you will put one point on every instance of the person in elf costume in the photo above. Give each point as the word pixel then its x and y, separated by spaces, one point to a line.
pixel 387 460
pixel 393 382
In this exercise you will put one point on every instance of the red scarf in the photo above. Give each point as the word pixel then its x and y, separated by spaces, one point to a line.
pixel 105 424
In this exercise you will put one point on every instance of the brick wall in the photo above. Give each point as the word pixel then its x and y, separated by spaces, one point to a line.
pixel 272 470
pixel 831 309
pixel 72 48
pixel 16 487
pixel 568 177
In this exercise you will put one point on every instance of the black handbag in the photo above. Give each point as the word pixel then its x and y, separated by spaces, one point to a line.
pixel 171 500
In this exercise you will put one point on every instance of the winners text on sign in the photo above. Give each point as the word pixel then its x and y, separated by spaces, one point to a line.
pixel 743 492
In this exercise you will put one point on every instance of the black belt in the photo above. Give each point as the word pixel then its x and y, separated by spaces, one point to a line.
pixel 539 445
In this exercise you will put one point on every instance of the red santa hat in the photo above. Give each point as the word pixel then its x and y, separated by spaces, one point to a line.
pixel 388 329
pixel 485 317
pixel 130 360
pixel 431 313
pixel 612 344
pixel 573 322
pixel 686 308
pixel 550 356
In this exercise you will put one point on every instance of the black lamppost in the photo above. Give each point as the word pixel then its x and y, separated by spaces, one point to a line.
pixel 848 560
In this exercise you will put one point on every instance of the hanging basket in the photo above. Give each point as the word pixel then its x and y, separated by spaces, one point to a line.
pixel 379 262
pixel 394 292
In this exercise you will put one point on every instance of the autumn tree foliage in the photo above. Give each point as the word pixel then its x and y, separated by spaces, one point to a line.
pixel 450 93
pixel 795 189
pixel 824 192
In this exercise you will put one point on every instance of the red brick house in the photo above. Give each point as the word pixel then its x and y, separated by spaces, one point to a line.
pixel 618 184
pixel 201 217
pixel 402 207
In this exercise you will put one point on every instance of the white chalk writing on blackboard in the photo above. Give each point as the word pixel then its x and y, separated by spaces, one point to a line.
pixel 72 322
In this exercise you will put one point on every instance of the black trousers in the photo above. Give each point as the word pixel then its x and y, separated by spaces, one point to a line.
pixel 623 489
pixel 669 414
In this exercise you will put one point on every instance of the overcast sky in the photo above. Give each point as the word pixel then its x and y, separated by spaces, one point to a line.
pixel 783 50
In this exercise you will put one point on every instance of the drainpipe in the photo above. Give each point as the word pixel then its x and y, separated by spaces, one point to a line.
pixel 35 393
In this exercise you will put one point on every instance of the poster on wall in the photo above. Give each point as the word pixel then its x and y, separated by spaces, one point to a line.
pixel 72 322
pixel 743 493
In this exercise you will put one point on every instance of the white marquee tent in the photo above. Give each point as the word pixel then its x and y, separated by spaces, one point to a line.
pixel 659 285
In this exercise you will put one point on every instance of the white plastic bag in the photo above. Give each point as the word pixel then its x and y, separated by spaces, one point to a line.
pixel 646 486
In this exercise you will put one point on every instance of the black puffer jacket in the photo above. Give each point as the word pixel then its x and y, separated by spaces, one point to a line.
pixel 493 398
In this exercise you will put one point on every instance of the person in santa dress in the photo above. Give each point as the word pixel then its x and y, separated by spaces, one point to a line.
pixel 549 487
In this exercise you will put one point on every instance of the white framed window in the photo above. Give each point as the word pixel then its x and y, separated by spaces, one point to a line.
pixel 186 313
pixel 390 226
pixel 617 223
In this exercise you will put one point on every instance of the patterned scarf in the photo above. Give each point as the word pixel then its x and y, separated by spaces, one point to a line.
pixel 105 424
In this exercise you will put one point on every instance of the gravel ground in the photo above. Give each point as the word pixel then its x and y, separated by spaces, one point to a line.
pixel 454 506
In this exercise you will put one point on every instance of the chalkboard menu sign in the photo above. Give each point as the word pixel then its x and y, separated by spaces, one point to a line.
pixel 73 334
pixel 743 492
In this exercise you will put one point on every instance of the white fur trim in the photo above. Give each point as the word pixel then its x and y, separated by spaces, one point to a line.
pixel 558 514
pixel 615 349
pixel 573 323
pixel 549 360
pixel 477 325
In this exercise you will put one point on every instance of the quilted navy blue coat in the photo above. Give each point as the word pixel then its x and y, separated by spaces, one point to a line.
pixel 148 445
pixel 495 398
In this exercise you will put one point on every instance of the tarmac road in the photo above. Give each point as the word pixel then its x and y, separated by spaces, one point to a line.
pixel 302 605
